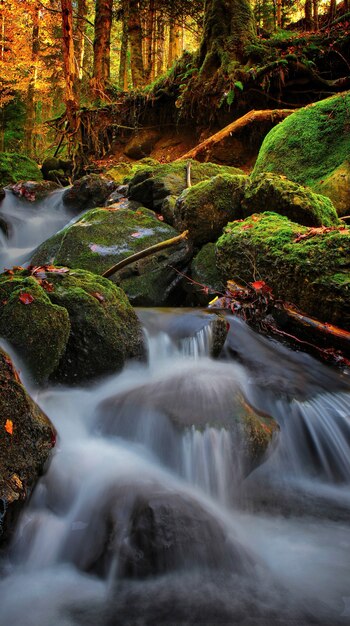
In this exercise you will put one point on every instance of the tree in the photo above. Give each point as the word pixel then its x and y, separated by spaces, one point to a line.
pixel 69 65
pixel 102 46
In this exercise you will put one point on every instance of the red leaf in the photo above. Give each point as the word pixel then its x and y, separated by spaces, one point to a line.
pixel 260 285
pixel 26 298
pixel 9 427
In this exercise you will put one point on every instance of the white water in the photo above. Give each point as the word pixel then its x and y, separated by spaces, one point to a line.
pixel 145 515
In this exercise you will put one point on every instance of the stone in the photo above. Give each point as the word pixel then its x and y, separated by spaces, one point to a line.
pixel 88 192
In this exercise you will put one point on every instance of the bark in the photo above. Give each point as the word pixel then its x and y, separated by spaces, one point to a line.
pixel 315 14
pixel 123 75
pixel 175 41
pixel 308 14
pixel 102 47
pixel 229 25
pixel 69 66
pixel 332 10
pixel 279 13
pixel 80 36
pixel 30 101
pixel 160 44
pixel 149 41
pixel 135 40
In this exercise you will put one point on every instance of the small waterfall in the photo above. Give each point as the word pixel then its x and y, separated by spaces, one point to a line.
pixel 199 344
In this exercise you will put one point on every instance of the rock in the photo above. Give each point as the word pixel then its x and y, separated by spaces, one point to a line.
pixel 141 144
pixel 205 208
pixel 193 400
pixel 206 276
pixel 88 192
pixel 68 325
pixel 152 184
pixel 33 191
pixel 102 237
pixel 26 438
pixel 336 186
pixel 15 167
pixel 272 192
pixel 310 146
pixel 312 272
pixel 2 193
pixel 4 227
pixel 57 170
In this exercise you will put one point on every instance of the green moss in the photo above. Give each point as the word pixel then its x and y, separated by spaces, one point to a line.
pixel 38 330
pixel 15 167
pixel 205 274
pixel 273 192
pixel 204 209
pixel 266 247
pixel 309 144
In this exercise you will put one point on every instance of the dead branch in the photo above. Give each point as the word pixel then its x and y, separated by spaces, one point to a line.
pixel 144 253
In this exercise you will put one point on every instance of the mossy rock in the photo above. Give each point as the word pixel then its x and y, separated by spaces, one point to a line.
pixel 38 330
pixel 152 185
pixel 336 186
pixel 206 276
pixel 205 208
pixel 68 325
pixel 32 191
pixel 124 171
pixel 26 438
pixel 273 192
pixel 103 237
pixel 88 192
pixel 312 272
pixel 310 144
pixel 15 167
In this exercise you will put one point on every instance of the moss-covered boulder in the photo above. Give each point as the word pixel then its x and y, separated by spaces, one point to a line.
pixel 205 208
pixel 273 192
pixel 68 325
pixel 310 145
pixel 152 185
pixel 15 167
pixel 204 273
pixel 26 438
pixel 336 186
pixel 88 192
pixel 307 267
pixel 103 237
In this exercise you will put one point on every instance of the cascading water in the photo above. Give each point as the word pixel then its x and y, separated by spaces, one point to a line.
pixel 146 514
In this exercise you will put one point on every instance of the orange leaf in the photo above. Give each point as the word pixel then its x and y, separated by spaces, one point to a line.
pixel 26 298
pixel 9 427
pixel 98 296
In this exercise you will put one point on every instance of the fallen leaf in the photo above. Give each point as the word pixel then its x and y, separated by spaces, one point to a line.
pixel 56 270
pixel 260 285
pixel 45 284
pixel 9 427
pixel 98 296
pixel 26 298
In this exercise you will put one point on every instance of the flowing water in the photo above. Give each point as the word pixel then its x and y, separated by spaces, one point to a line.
pixel 146 514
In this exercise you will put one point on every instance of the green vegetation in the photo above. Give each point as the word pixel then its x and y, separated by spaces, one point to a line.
pixel 16 167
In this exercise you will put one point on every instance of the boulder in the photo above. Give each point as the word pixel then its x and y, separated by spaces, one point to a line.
pixel 103 237
pixel 273 192
pixel 33 191
pixel 88 192
pixel 141 144
pixel 26 438
pixel 15 167
pixel 152 184
pixel 68 325
pixel 2 193
pixel 205 208
pixel 207 280
pixel 308 267
pixel 312 146
pixel 57 170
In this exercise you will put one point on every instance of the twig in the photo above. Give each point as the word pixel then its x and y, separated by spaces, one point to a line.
pixel 146 252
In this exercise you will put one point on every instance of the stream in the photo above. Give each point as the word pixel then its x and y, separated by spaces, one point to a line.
pixel 139 522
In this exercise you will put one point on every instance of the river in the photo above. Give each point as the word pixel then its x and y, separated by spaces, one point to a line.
pixel 138 522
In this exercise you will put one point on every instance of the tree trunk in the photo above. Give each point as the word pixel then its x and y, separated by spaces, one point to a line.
pixel 123 75
pixel 80 28
pixel 315 14
pixel 30 100
pixel 102 46
pixel 279 13
pixel 308 14
pixel 135 40
pixel 332 10
pixel 149 41
pixel 160 44
pixel 229 25
pixel 175 41
pixel 69 66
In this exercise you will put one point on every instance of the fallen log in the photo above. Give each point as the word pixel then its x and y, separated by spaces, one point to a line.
pixel 256 304
pixel 215 147
pixel 144 253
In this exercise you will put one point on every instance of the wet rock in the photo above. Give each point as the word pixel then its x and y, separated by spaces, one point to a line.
pixel 57 170
pixel 26 438
pixel 33 191
pixel 4 226
pixel 207 280
pixel 272 192
pixel 2 193
pixel 68 325
pixel 204 209
pixel 88 192
pixel 103 237
pixel 309 269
